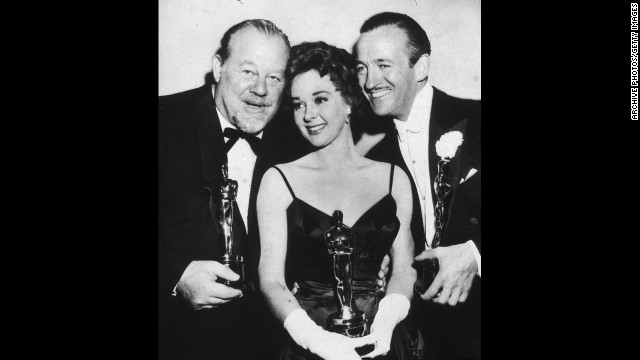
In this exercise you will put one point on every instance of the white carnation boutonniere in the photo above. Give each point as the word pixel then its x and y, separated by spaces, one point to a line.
pixel 448 144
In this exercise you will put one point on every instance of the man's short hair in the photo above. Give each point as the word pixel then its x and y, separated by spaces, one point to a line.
pixel 264 26
pixel 418 42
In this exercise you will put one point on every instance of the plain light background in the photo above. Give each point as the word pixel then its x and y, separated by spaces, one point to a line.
pixel 190 31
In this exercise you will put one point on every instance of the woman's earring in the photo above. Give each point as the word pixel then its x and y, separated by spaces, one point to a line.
pixel 347 119
pixel 348 115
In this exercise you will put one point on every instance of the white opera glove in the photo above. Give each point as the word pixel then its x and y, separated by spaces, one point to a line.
pixel 327 345
pixel 392 309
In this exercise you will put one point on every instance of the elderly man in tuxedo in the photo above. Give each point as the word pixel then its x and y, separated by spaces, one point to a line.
pixel 233 121
pixel 393 65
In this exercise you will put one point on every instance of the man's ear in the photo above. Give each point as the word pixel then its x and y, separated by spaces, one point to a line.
pixel 217 65
pixel 422 67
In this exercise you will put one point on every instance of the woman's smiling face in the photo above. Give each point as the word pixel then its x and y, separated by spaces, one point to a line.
pixel 319 109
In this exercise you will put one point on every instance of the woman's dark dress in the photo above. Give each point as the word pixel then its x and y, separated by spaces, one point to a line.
pixel 310 265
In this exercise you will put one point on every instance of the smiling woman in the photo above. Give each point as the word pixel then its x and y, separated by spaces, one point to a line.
pixel 318 107
pixel 323 92
pixel 293 206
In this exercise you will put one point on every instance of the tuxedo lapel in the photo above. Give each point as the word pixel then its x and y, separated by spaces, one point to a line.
pixel 443 120
pixel 435 131
pixel 259 170
pixel 456 163
pixel 471 151
pixel 212 150
pixel 212 155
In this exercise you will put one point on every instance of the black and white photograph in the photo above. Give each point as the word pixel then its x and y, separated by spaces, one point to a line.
pixel 319 179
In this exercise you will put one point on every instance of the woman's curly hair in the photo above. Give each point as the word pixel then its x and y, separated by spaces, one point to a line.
pixel 327 59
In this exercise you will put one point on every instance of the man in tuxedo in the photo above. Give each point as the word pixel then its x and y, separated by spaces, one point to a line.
pixel 393 65
pixel 233 121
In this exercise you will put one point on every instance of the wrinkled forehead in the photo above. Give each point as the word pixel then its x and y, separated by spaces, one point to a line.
pixel 253 44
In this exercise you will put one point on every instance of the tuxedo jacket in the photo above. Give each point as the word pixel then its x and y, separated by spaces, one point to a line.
pixel 191 154
pixel 462 204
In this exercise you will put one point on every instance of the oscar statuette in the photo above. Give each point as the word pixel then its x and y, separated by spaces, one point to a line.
pixel 348 321
pixel 228 192
pixel 430 267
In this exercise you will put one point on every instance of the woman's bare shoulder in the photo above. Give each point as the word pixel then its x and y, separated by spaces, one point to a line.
pixel 377 166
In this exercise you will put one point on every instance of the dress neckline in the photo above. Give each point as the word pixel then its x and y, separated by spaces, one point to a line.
pixel 330 216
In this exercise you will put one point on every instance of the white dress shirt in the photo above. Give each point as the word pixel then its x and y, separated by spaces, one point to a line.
pixel 413 138
pixel 241 160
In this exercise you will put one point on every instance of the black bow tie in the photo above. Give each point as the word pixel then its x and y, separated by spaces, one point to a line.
pixel 233 135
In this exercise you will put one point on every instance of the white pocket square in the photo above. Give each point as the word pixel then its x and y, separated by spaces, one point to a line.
pixel 470 174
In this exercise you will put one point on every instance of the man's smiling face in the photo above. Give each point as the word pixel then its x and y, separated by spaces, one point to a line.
pixel 385 73
pixel 250 82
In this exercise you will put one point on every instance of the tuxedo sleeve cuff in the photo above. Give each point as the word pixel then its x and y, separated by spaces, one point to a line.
pixel 476 253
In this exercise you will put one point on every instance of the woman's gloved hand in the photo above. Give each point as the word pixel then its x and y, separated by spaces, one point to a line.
pixel 327 345
pixel 392 309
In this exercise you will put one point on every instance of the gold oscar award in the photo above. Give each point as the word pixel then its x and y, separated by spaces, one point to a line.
pixel 430 267
pixel 228 192
pixel 348 320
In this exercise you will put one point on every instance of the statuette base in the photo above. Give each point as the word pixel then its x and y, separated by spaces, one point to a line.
pixel 236 264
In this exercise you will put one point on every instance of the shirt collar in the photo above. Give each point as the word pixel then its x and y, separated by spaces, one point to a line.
pixel 223 121
pixel 419 115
